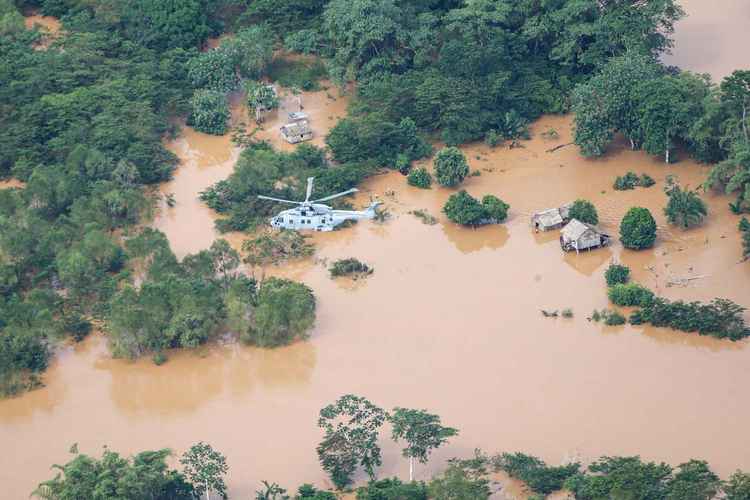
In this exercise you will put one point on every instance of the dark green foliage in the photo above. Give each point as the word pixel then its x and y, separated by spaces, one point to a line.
pixel 638 229
pixel 284 312
pixel 609 318
pixel 463 480
pixel 205 468
pixel 684 208
pixel 308 491
pixel 694 480
pixel 630 294
pixel 466 210
pixel 145 475
pixel 297 74
pixel 214 70
pixel 351 426
pixel 540 477
pixel 744 227
pixel 616 273
pixel 420 178
pixel 349 267
pixel 720 318
pixel 621 477
pixel 646 181
pixel 210 112
pixel 584 211
pixel 392 489
pixel 628 181
pixel 450 167
pixel 738 486
pixel 422 431
pixel 372 138
pixel 178 304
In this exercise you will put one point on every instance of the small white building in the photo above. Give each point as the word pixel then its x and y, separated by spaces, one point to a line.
pixel 297 129
pixel 577 235
pixel 552 218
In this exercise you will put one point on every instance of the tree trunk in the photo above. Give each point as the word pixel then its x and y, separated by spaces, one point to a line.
pixel 632 144
pixel 207 497
pixel 666 151
pixel 411 469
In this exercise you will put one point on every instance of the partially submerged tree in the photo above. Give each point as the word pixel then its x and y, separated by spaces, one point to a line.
pixel 584 211
pixel 422 432
pixel 205 468
pixel 638 229
pixel 450 167
pixel 684 208
pixel 351 426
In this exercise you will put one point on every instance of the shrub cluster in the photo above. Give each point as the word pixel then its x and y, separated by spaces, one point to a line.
pixel 349 267
pixel 617 273
pixel 419 177
pixel 466 210
pixel 684 208
pixel 630 180
pixel 630 294
pixel 610 318
pixel 537 475
pixel 744 228
pixel 721 318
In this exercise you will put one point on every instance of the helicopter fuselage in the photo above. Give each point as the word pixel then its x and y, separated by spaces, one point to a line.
pixel 317 217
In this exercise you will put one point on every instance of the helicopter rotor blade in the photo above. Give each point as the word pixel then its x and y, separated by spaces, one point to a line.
pixel 279 200
pixel 344 193
pixel 309 188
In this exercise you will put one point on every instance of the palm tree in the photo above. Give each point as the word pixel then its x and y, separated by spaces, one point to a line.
pixel 685 208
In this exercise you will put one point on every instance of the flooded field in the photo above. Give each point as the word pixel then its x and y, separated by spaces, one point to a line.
pixel 450 321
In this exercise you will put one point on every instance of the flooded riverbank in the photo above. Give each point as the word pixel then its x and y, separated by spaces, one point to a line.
pixel 450 321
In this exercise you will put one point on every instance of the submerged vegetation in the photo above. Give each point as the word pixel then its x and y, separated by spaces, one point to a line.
pixel 350 267
pixel 630 180
pixel 466 210
pixel 276 246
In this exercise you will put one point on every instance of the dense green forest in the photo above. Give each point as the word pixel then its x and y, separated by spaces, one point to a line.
pixel 82 124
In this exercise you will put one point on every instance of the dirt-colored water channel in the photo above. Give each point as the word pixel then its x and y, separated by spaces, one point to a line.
pixel 450 321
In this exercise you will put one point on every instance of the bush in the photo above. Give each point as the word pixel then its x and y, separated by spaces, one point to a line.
pixel 616 273
pixel 534 472
pixel 308 491
pixel 630 294
pixel 638 229
pixel 614 318
pixel 464 209
pixel 297 74
pixel 273 247
pixel 684 208
pixel 349 267
pixel 492 138
pixel 495 209
pixel 392 489
pixel 209 112
pixel 744 228
pixel 584 211
pixel 628 181
pixel 450 167
pixel 646 181
pixel 284 312
pixel 419 177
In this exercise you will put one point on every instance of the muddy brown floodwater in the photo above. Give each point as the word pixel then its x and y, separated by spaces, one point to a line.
pixel 713 38
pixel 450 321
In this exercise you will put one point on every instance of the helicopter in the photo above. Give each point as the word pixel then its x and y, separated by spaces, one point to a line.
pixel 316 216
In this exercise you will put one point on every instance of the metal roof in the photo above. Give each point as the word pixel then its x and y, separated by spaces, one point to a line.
pixel 575 229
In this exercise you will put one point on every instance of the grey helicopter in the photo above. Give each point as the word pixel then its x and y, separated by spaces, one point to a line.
pixel 316 216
